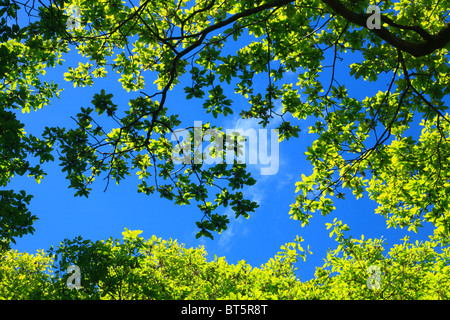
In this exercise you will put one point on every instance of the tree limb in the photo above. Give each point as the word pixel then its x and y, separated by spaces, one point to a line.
pixel 418 49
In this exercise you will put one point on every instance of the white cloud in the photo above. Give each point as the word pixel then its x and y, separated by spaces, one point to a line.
pixel 227 236
pixel 225 240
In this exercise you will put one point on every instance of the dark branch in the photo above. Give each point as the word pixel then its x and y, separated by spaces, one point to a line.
pixel 417 49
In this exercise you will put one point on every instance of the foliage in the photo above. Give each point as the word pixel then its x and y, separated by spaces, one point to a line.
pixel 24 276
pixel 158 269
pixel 138 269
pixel 364 142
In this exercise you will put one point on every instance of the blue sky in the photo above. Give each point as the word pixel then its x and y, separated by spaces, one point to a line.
pixel 257 239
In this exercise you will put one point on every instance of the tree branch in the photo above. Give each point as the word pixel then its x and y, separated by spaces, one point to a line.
pixel 418 49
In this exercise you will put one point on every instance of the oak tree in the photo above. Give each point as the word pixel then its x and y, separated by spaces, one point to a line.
pixel 363 144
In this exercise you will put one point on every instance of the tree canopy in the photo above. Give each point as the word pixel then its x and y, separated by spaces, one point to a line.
pixel 158 269
pixel 367 146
